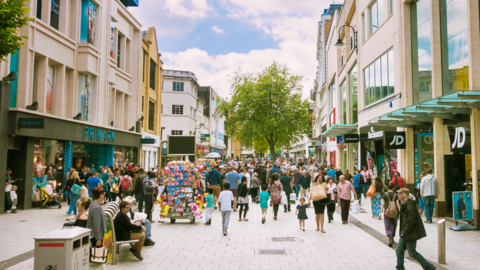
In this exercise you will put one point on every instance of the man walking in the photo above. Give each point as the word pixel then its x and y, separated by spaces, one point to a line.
pixel 358 183
pixel 296 181
pixel 429 191
pixel 214 180
pixel 411 230
pixel 344 189
pixel 138 189
pixel 234 179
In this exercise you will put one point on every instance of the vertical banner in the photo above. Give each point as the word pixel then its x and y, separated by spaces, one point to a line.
pixel 462 205
pixel 89 22
pixel 85 95
pixel 50 87
pixel 112 40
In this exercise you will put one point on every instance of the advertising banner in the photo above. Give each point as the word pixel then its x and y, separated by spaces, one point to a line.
pixel 50 85
pixel 462 205
pixel 351 138
pixel 112 40
pixel 85 94
pixel 89 22
pixel 204 137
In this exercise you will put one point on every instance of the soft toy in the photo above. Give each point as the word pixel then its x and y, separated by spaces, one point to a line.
pixel 196 210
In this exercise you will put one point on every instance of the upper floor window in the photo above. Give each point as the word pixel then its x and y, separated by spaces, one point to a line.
pixel 177 109
pixel 376 12
pixel 177 132
pixel 153 72
pixel 178 86
pixel 379 78
pixel 151 115
pixel 55 13
pixel 89 22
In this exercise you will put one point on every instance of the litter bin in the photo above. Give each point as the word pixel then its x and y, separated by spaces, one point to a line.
pixel 66 248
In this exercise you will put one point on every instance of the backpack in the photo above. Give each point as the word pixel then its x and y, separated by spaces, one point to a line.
pixel 361 180
pixel 396 186
pixel 126 183
pixel 392 208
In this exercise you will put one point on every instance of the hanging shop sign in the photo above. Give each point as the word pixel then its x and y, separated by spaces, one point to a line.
pixel 372 134
pixel 351 138
pixel 164 145
pixel 31 123
pixel 340 139
pixel 215 150
pixel 98 134
pixel 395 140
pixel 460 139
pixel 204 137
pixel 462 205
pixel 148 141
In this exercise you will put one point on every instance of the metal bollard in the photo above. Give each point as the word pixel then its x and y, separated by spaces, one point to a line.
pixel 441 242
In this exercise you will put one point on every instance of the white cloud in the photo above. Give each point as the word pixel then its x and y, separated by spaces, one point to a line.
pixel 193 9
pixel 218 30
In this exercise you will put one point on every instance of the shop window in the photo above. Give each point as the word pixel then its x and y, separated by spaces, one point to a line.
pixel 343 101
pixel 151 115
pixel 47 161
pixel 153 73
pixel 111 101
pixel 177 132
pixel 143 66
pixel 50 88
pixel 123 155
pixel 177 109
pixel 85 95
pixel 376 15
pixel 89 22
pixel 178 86
pixel 379 78
pixel 54 13
pixel 353 94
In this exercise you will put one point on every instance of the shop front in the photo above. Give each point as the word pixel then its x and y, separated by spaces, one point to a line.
pixel 217 150
pixel 338 146
pixel 44 152
pixel 150 154
pixel 202 151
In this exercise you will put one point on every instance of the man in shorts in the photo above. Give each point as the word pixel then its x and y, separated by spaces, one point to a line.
pixel 214 180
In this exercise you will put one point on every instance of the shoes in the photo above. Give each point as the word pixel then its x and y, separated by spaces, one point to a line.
pixel 263 221
pixel 274 217
pixel 215 208
pixel 390 242
pixel 153 221
pixel 288 210
pixel 148 243
pixel 225 233
pixel 329 221
pixel 136 254
pixel 14 211
pixel 303 229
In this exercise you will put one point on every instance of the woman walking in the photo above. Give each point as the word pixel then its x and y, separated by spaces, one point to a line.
pixel 73 197
pixel 276 193
pixel 254 186
pixel 243 199
pixel 348 176
pixel 97 221
pixel 331 191
pixel 319 205
pixel 377 199
pixel 389 214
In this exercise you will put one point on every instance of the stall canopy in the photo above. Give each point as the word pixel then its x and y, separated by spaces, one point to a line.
pixel 452 108
pixel 340 130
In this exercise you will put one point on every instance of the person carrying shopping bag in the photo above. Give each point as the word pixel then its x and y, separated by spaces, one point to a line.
pixel 375 193
pixel 320 199
pixel 331 191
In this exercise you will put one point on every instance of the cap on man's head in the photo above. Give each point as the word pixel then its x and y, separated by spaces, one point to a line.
pixel 404 191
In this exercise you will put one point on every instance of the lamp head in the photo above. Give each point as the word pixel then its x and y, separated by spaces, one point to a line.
pixel 339 43
pixel 10 77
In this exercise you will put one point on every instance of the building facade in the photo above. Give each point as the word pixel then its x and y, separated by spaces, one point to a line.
pixel 76 100
pixel 216 126
pixel 151 102
pixel 407 100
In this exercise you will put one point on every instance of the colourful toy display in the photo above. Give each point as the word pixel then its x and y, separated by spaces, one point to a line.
pixel 180 194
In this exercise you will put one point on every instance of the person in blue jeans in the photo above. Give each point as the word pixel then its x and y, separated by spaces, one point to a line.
pixel 92 183
pixel 296 181
pixel 358 187
pixel 411 230
pixel 429 191
pixel 73 197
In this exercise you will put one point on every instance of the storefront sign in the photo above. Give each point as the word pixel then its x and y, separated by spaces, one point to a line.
pixel 31 123
pixel 215 150
pixel 97 134
pixel 351 138
pixel 460 140
pixel 164 145
pixel 372 134
pixel 462 205
pixel 395 140
pixel 460 137
pixel 148 141
pixel 340 139
pixel 204 137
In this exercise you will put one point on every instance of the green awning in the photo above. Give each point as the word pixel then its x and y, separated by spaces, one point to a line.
pixel 451 107
pixel 340 130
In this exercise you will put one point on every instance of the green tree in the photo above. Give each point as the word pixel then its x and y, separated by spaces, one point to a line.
pixel 260 146
pixel 267 106
pixel 12 18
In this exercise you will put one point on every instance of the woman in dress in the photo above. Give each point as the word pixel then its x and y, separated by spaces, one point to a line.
pixel 276 193
pixel 377 199
pixel 243 199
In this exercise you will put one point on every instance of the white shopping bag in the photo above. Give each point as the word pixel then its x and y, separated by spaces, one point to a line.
pixel 293 198
pixel 355 207
pixel 284 199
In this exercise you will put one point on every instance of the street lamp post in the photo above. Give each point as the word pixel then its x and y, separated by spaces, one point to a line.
pixel 340 43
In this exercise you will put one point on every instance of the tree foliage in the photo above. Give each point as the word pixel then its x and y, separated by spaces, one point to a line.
pixel 12 18
pixel 266 107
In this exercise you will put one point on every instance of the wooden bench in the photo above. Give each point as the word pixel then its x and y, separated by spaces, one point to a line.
pixel 111 210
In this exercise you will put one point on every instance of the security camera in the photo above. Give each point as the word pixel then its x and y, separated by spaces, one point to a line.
pixel 10 77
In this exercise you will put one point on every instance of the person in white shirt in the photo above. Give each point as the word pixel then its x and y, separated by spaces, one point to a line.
pixel 429 191
pixel 247 175
pixel 225 200
pixel 8 188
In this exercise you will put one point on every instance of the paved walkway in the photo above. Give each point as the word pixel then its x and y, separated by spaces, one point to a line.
pixel 196 246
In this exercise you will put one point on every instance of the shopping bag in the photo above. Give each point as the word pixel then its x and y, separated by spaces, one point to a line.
pixel 98 255
pixel 293 198
pixel 355 207
pixel 284 199
pixel 371 191
pixel 318 192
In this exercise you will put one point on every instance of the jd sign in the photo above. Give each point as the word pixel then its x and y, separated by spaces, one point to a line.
pixel 460 137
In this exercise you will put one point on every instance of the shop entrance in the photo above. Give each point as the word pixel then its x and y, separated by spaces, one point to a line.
pixel 454 179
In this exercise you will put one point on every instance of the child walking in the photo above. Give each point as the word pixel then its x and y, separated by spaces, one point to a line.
pixel 243 199
pixel 264 197
pixel 209 201
pixel 13 197
pixel 302 213
pixel 225 200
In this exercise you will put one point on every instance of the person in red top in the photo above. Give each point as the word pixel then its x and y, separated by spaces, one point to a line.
pixel 400 181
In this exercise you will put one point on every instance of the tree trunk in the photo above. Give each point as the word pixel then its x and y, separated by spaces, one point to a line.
pixel 272 152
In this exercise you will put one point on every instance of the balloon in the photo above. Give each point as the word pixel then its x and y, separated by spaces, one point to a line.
pixel 200 169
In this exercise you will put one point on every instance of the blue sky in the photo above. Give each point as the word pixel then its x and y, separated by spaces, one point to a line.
pixel 214 39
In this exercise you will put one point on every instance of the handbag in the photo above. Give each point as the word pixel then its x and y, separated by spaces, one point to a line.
pixel 318 192
pixel 371 191
pixel 284 199
pixel 98 255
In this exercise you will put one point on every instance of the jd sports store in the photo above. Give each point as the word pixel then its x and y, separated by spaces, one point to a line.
pixel 52 144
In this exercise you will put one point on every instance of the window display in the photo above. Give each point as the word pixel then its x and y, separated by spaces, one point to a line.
pixel 123 155
pixel 47 161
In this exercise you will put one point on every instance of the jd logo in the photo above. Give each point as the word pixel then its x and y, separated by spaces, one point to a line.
pixel 460 137
pixel 397 140
pixel 427 139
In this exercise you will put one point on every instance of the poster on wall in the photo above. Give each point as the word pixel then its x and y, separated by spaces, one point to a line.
pixel 85 87
pixel 462 205
pixel 50 84
pixel 112 40
pixel 89 22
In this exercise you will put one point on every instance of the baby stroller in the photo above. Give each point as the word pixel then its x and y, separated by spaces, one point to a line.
pixel 49 198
